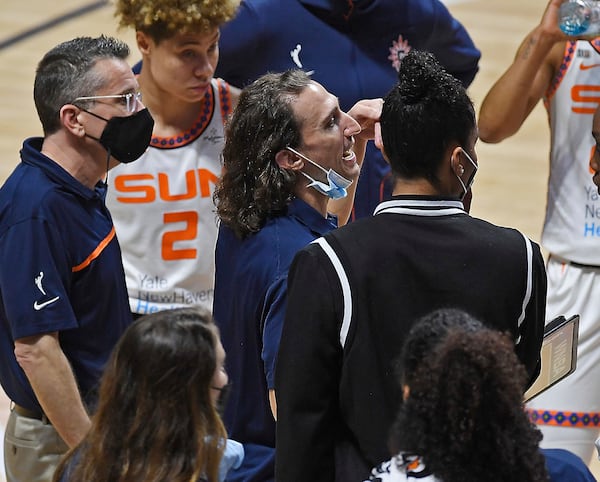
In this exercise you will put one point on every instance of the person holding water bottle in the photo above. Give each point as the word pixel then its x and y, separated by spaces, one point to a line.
pixel 563 69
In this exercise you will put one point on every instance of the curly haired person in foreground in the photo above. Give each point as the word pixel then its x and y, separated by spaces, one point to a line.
pixel 463 418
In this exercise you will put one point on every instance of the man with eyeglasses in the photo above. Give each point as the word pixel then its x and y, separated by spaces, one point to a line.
pixel 63 299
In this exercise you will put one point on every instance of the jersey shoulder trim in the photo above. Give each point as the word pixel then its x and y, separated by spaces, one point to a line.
pixel 207 110
pixel 224 99
pixel 569 54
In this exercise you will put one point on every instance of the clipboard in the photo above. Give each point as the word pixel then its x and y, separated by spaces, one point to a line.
pixel 558 354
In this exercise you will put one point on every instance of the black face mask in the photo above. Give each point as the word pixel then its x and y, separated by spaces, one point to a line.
pixel 223 398
pixel 126 138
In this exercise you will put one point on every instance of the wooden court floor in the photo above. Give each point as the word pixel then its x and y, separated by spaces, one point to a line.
pixel 510 188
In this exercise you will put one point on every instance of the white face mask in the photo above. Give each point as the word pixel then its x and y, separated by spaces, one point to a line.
pixel 467 186
pixel 337 187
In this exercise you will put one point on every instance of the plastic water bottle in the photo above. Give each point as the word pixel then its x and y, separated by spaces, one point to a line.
pixel 580 17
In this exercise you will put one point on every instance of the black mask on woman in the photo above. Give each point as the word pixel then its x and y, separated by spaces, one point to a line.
pixel 126 138
pixel 223 398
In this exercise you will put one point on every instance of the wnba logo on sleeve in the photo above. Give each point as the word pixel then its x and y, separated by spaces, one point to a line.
pixel 38 305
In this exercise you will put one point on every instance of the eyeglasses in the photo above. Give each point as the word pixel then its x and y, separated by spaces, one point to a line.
pixel 130 100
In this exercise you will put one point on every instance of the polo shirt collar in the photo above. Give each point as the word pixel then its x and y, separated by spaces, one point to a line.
pixel 421 205
pixel 311 218
pixel 31 154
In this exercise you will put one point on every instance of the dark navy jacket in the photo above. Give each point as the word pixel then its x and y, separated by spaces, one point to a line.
pixel 354 48
pixel 354 294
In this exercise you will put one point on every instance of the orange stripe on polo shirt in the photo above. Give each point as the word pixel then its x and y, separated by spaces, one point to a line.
pixel 103 244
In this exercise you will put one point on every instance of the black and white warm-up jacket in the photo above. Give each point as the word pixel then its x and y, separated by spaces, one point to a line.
pixel 354 294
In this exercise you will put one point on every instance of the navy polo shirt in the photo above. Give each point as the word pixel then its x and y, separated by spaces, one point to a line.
pixel 564 465
pixel 249 308
pixel 352 48
pixel 60 271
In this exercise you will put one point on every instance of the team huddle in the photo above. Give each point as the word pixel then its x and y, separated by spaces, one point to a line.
pixel 240 261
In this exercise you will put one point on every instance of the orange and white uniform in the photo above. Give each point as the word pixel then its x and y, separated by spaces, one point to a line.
pixel 572 224
pixel 164 214
pixel 571 235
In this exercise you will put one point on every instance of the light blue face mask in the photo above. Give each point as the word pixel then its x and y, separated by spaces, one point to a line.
pixel 338 184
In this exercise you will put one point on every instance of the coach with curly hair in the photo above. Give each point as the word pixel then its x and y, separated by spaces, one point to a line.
pixel 291 157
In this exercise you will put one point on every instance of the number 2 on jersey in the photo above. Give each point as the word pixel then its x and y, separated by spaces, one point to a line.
pixel 189 233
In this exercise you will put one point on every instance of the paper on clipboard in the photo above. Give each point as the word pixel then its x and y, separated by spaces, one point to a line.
pixel 558 354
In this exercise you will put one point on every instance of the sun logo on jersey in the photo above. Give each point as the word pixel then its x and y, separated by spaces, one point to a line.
pixel 398 51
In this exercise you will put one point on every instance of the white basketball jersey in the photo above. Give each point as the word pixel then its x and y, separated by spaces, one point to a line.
pixel 164 214
pixel 572 224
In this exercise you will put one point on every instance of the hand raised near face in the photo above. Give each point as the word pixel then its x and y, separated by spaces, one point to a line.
pixel 367 112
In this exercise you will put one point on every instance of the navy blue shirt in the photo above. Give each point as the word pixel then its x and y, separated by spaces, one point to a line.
pixel 565 466
pixel 60 271
pixel 354 49
pixel 249 308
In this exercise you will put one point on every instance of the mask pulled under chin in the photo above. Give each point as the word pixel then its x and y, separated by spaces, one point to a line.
pixel 333 190
pixel 337 187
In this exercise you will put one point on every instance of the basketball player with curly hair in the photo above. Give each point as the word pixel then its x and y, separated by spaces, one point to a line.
pixel 162 208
